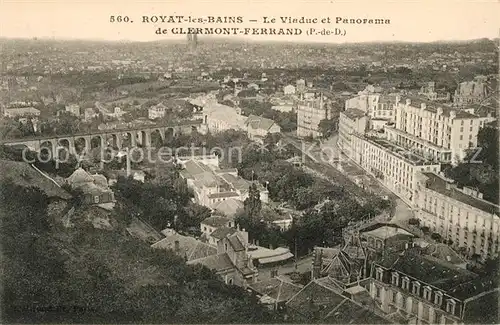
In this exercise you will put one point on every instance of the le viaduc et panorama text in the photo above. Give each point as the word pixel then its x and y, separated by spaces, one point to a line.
pixel 240 25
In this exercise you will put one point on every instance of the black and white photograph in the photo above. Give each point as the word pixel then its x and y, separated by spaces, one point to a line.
pixel 249 162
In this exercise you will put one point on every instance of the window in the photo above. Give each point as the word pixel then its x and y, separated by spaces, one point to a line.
pixel 377 292
pixel 416 288
pixel 450 306
pixel 96 199
pixel 225 247
pixel 406 283
pixel 427 293
pixel 379 274
pixel 395 278
pixel 230 281
pixel 461 137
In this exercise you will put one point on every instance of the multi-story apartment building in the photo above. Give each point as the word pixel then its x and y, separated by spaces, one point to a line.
pixel 437 132
pixel 310 111
pixel 350 121
pixel 415 288
pixel 156 111
pixel 394 166
pixel 459 215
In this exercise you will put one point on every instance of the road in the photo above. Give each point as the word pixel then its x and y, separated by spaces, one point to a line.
pixel 327 159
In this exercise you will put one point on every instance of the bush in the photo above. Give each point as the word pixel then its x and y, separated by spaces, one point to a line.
pixel 414 221
pixel 436 236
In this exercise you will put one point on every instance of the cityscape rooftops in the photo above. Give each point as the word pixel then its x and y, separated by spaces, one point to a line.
pixel 430 106
pixel 353 113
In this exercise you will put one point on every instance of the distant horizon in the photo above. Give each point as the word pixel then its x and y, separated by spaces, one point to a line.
pixel 201 40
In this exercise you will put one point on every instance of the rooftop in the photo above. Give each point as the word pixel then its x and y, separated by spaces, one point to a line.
pixel 216 221
pixel 438 184
pixel 222 232
pixel 189 247
pixel 229 207
pixel 386 232
pixel 219 263
pixel 431 106
pixel 275 288
pixel 353 113
pixel 432 271
pixel 258 122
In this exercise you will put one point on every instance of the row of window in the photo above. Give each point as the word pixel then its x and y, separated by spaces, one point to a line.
pixel 416 290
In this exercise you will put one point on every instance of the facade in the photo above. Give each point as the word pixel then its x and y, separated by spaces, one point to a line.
pixel 394 166
pixel 459 215
pixel 439 133
pixel 429 91
pixel 351 121
pixel 156 111
pixel 310 111
pixel 414 288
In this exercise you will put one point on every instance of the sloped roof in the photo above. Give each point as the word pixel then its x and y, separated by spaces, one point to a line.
pixel 23 174
pixel 276 288
pixel 236 242
pixel 219 263
pixel 229 207
pixel 222 232
pixel 216 221
pixel 79 176
pixel 259 122
pixel 189 247
pixel 431 270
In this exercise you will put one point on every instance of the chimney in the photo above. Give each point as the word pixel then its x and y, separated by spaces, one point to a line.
pixel 398 99
pixel 408 102
pixel 423 106
pixel 271 246
pixel 177 246
pixel 440 111
pixel 453 114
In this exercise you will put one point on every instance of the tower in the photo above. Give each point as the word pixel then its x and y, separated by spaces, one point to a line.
pixel 192 41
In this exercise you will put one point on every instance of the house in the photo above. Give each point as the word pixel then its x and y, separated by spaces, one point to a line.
pixel 137 175
pixel 275 292
pixel 267 257
pixel 156 111
pixel 289 90
pixel 73 109
pixel 229 207
pixel 232 262
pixel 259 127
pixel 212 185
pixel 381 236
pixel 209 226
pixel 94 188
pixel 184 246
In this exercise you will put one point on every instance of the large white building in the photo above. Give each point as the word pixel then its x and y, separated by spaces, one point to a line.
pixel 351 121
pixel 458 214
pixel 392 165
pixel 435 131
pixel 310 111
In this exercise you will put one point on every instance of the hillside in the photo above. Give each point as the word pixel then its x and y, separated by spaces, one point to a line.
pixel 51 274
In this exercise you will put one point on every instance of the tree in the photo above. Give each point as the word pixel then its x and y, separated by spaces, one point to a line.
pixel 327 127
pixel 252 204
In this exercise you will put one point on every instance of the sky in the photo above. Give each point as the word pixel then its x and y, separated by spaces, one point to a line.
pixel 415 21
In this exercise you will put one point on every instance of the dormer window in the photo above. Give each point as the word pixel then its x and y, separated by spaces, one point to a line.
pixel 438 298
pixel 406 283
pixel 450 306
pixel 395 278
pixel 427 293
pixel 380 274
pixel 225 247
pixel 416 288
